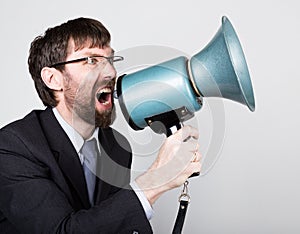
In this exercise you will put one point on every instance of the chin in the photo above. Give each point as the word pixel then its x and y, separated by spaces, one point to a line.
pixel 105 118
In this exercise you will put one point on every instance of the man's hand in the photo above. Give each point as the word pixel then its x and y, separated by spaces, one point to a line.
pixel 178 158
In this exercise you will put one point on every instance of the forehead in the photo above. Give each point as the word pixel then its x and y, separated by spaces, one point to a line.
pixel 86 50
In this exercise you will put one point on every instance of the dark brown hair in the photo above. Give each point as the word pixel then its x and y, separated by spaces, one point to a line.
pixel 52 47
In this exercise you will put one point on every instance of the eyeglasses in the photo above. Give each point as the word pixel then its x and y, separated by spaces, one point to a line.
pixel 92 60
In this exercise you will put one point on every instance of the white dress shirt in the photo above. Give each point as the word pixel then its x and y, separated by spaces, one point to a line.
pixel 78 142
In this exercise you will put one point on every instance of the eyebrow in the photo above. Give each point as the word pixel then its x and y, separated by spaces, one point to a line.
pixel 91 55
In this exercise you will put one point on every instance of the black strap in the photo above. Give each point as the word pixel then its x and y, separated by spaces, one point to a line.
pixel 180 217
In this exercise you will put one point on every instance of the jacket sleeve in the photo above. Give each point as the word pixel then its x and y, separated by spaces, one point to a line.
pixel 32 202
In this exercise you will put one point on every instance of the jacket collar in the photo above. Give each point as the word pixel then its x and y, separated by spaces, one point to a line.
pixel 66 154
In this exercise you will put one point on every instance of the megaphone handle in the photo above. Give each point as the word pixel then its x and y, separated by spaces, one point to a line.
pixel 171 131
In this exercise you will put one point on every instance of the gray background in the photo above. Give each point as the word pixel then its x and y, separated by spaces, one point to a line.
pixel 254 186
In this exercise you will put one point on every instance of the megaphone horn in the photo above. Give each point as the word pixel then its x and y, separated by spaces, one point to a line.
pixel 220 69
pixel 173 90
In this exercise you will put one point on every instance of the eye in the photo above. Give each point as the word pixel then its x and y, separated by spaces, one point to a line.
pixel 92 60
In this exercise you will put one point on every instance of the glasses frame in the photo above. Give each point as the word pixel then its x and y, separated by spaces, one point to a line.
pixel 110 59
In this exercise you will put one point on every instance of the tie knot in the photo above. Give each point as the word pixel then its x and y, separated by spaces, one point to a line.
pixel 89 151
pixel 89 148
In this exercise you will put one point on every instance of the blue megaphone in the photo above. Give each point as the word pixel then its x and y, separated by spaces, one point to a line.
pixel 169 93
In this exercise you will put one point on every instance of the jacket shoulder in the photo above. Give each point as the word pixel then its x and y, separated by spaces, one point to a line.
pixel 22 125
pixel 23 135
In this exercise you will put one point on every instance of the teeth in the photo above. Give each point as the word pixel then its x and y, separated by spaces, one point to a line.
pixel 105 103
pixel 105 90
pixel 101 92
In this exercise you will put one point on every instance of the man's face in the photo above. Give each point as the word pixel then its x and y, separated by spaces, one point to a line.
pixel 88 87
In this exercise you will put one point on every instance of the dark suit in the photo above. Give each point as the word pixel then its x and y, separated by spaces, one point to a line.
pixel 42 185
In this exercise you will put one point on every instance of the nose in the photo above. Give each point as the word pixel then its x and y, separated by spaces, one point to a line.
pixel 109 72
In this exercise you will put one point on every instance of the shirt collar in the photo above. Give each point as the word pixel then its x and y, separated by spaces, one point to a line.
pixel 76 139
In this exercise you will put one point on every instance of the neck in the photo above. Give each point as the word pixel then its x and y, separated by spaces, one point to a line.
pixel 84 128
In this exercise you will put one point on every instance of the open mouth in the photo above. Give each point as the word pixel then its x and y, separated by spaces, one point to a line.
pixel 104 96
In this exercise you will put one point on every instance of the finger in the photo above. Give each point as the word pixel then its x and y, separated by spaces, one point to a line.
pixel 195 167
pixel 197 157
pixel 186 132
pixel 191 145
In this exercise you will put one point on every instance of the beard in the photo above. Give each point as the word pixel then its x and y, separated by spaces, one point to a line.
pixel 105 118
pixel 81 102
pixel 86 111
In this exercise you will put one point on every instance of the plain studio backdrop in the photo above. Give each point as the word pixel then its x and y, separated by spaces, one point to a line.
pixel 254 185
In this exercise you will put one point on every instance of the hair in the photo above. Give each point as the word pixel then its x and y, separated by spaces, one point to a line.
pixel 52 47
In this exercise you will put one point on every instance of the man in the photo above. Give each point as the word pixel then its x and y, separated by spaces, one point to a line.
pixel 47 176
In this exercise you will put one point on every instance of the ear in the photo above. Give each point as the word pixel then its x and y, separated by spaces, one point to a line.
pixel 52 78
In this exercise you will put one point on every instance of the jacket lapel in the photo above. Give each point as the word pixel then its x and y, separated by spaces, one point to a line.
pixel 115 163
pixel 66 155
pixel 102 188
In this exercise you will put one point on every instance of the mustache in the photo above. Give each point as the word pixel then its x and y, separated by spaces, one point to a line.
pixel 109 82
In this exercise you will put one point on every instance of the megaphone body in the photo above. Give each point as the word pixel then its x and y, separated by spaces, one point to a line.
pixel 172 91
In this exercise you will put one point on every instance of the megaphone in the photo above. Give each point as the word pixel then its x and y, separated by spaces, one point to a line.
pixel 164 95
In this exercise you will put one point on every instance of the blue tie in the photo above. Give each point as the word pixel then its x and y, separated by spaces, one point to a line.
pixel 89 152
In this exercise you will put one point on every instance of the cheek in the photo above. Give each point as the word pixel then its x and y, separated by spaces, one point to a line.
pixel 70 90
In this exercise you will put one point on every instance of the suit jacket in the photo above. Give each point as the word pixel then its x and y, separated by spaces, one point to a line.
pixel 42 185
